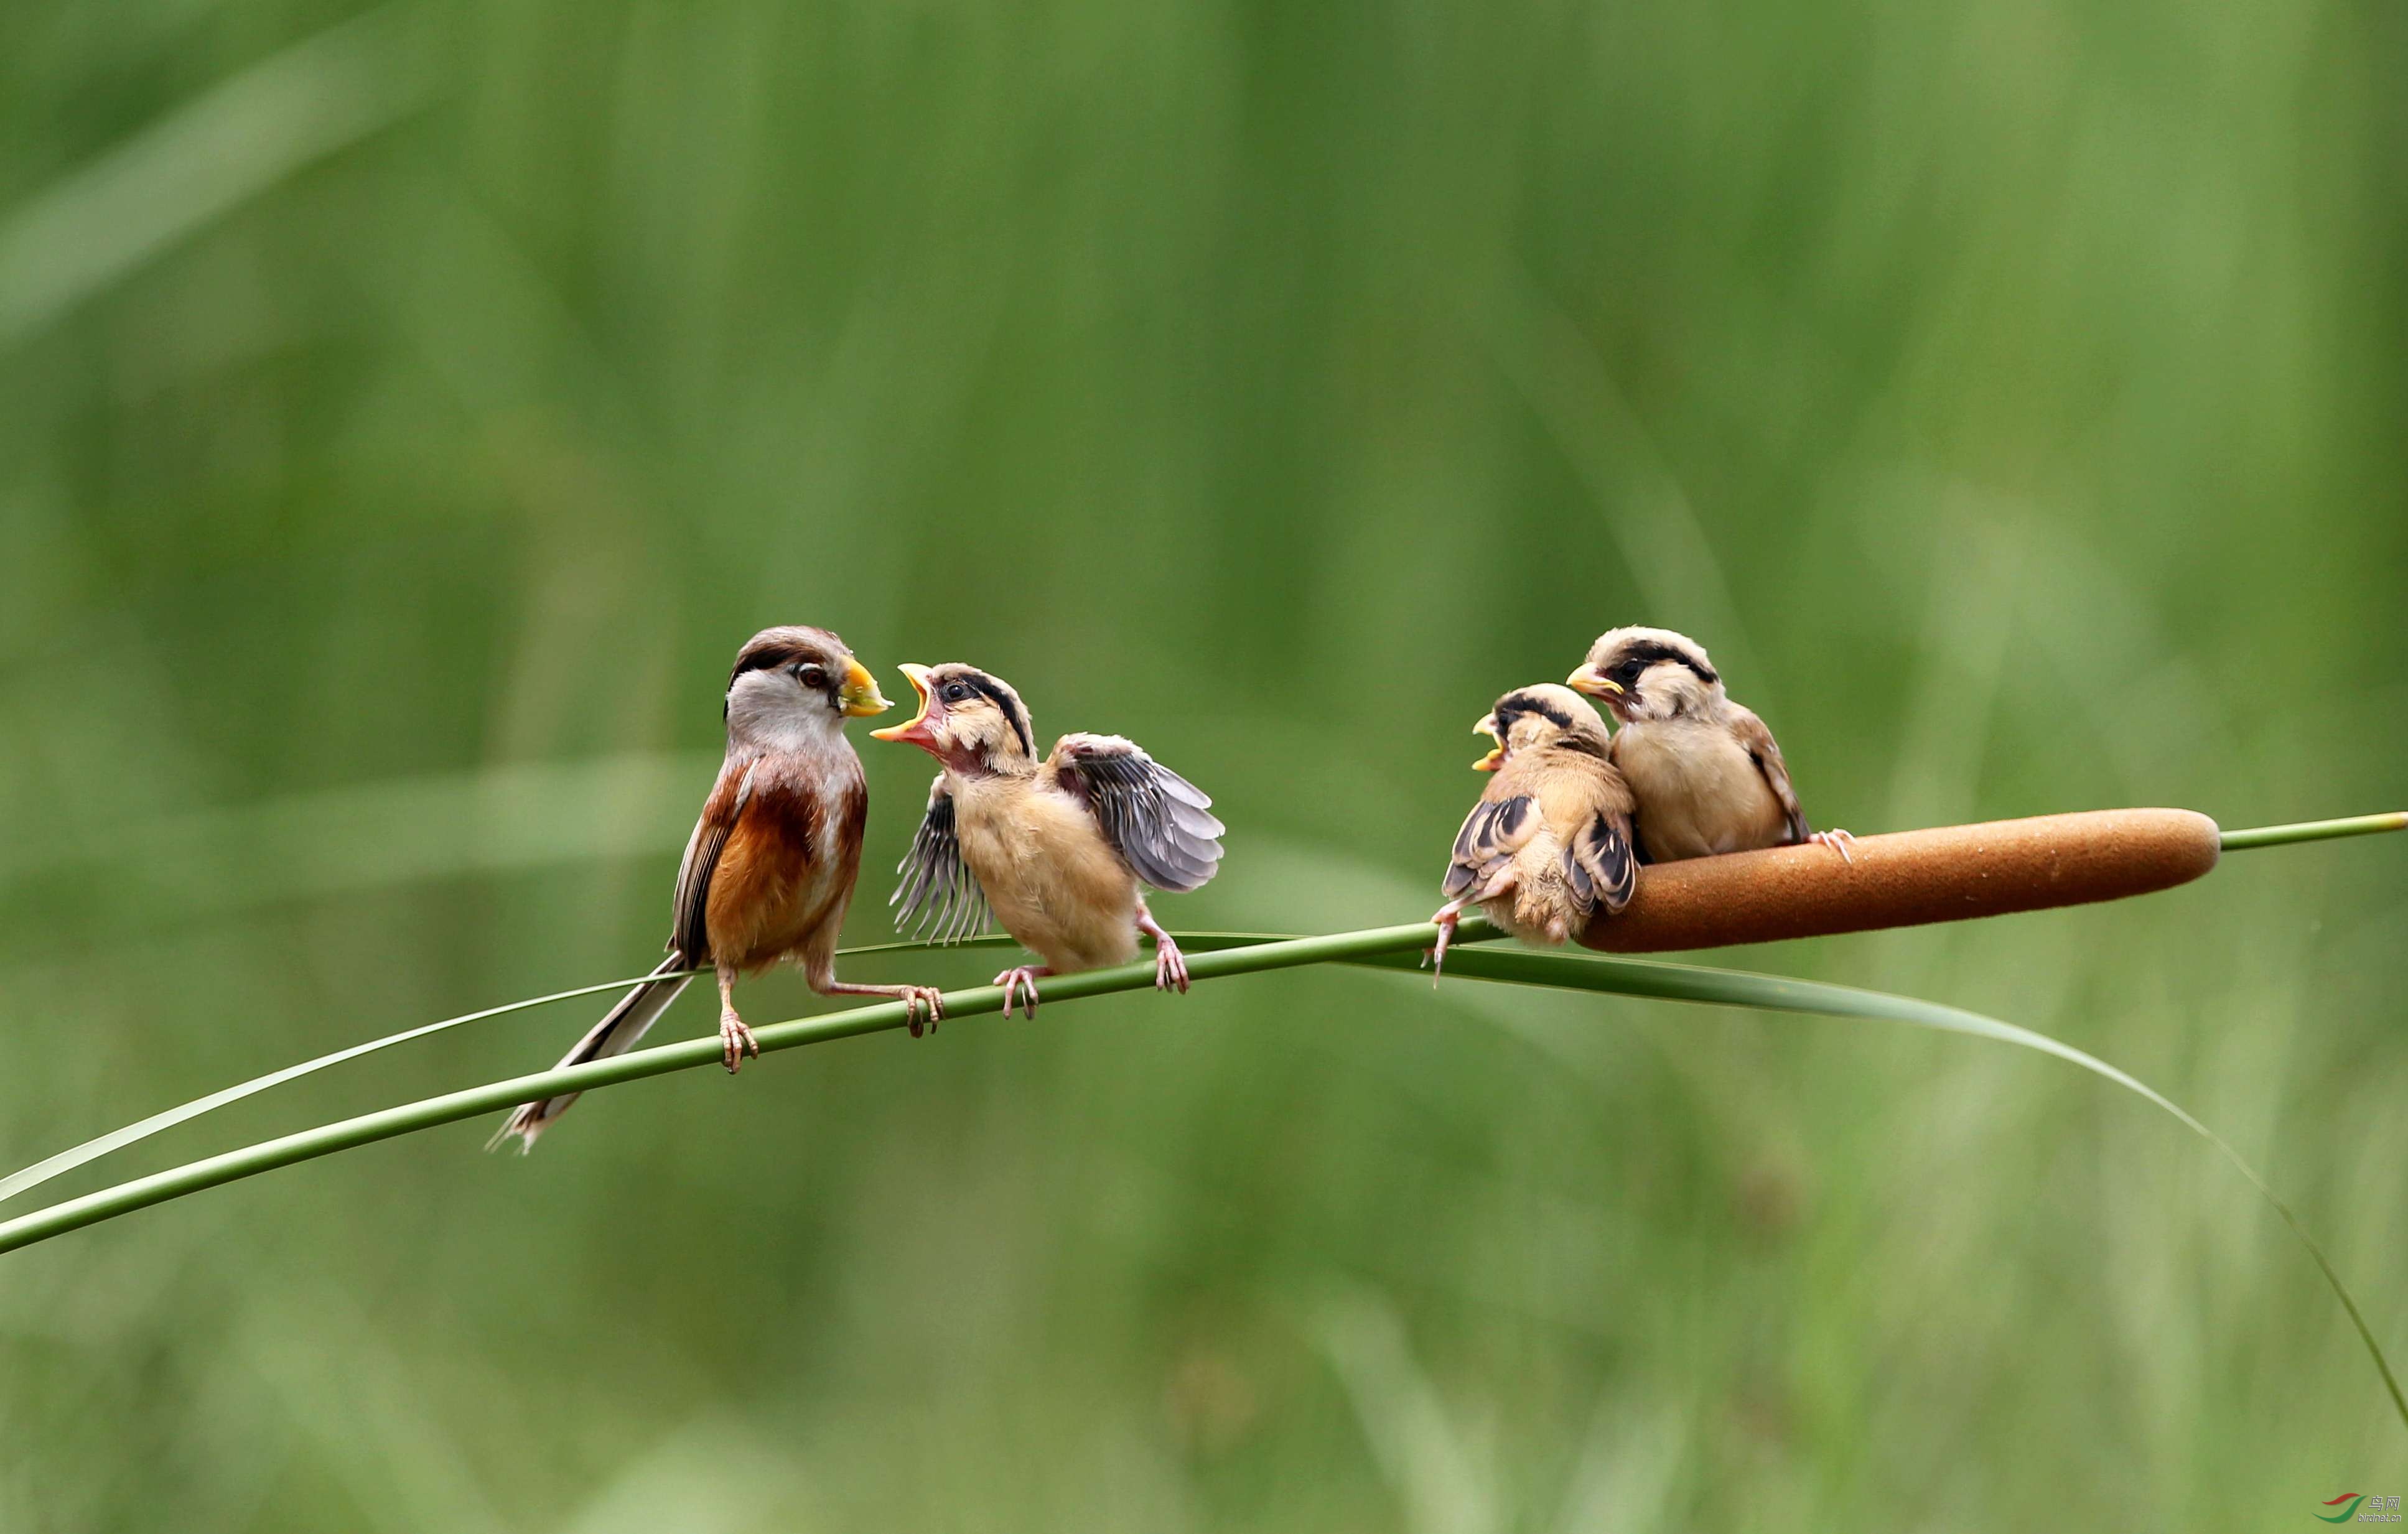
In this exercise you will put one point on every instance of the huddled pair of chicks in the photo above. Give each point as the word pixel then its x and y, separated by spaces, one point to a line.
pixel 1573 811
pixel 1056 848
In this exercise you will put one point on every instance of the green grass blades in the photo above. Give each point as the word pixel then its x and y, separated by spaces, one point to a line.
pixel 1243 954
pixel 1215 954
pixel 1498 964
pixel 68 1160
pixel 1772 993
pixel 92 1149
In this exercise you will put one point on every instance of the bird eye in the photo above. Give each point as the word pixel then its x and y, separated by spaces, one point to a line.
pixel 956 692
pixel 1627 672
pixel 810 676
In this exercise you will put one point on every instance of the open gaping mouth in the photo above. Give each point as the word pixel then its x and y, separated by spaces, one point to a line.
pixel 913 731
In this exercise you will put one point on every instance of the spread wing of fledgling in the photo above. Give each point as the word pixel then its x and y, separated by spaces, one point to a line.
pixel 941 897
pixel 1161 825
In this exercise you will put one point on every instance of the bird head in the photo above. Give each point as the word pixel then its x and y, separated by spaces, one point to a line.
pixel 1546 714
pixel 1647 673
pixel 969 721
pixel 795 685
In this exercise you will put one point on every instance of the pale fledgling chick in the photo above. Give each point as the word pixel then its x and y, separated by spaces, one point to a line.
pixel 1056 849
pixel 770 866
pixel 1549 841
pixel 1705 772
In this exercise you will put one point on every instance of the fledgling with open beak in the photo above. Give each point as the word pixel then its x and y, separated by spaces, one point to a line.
pixel 1706 773
pixel 1549 841
pixel 1056 849
pixel 770 866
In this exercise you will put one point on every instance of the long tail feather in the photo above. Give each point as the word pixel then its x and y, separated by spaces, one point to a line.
pixel 616 1034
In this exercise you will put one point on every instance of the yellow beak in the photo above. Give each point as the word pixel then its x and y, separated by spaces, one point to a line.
pixel 1496 758
pixel 859 693
pixel 918 677
pixel 1590 683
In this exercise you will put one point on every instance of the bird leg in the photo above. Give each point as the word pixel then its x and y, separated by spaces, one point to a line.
pixel 1018 982
pixel 1838 840
pixel 736 1041
pixel 913 997
pixel 1503 880
pixel 1169 964
pixel 1446 918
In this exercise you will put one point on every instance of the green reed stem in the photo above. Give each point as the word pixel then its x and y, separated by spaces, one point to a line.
pixel 91 1149
pixel 2315 830
pixel 1215 953
pixel 76 1213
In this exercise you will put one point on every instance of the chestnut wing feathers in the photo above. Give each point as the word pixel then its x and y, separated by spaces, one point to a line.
pixel 941 897
pixel 1160 824
pixel 691 935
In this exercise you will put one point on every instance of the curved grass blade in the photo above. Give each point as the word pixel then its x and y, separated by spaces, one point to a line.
pixel 1772 992
pixel 68 1160
pixel 1470 932
pixel 1217 954
pixel 92 1149
pixel 686 1054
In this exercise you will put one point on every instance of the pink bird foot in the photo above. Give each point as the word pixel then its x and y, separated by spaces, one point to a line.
pixel 1447 919
pixel 1838 840
pixel 735 1041
pixel 1019 982
pixel 1169 967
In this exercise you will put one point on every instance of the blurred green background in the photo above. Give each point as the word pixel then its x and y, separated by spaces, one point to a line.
pixel 403 415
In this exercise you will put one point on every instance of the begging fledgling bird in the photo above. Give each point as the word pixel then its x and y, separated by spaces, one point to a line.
pixel 1705 772
pixel 770 866
pixel 1550 840
pixel 1056 848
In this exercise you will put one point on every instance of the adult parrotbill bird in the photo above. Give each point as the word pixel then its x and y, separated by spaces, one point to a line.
pixel 1057 848
pixel 1706 774
pixel 1549 843
pixel 770 866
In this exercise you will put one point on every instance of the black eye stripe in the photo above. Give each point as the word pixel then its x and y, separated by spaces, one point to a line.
pixel 775 660
pixel 993 691
pixel 1514 707
pixel 768 660
pixel 1638 657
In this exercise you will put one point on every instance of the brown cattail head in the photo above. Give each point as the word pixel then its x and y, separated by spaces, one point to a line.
pixel 1909 878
